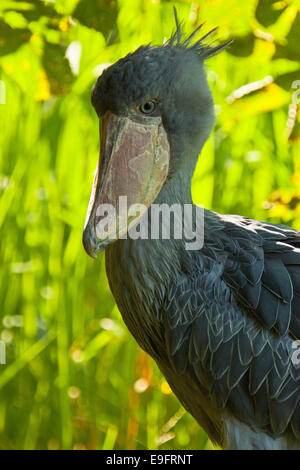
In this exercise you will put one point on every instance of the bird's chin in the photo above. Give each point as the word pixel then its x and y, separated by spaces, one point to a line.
pixel 131 170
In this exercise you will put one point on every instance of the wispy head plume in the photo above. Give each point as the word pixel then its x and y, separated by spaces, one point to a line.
pixel 203 49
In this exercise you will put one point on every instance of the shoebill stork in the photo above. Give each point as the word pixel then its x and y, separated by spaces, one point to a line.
pixel 221 321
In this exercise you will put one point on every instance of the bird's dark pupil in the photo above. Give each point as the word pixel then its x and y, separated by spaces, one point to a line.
pixel 147 107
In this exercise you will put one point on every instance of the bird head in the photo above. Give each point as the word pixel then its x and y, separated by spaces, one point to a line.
pixel 155 112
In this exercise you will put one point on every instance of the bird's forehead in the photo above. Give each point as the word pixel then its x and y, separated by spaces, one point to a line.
pixel 140 75
pixel 144 65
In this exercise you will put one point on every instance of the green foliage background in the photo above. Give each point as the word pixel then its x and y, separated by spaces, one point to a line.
pixel 74 378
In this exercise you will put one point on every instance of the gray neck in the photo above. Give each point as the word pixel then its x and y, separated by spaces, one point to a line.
pixel 177 188
pixel 145 260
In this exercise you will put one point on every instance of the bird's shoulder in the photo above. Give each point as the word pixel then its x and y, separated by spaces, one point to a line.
pixel 261 267
pixel 232 320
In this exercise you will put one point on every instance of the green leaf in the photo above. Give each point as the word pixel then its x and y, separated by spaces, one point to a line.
pixel 242 46
pixel 100 15
pixel 291 49
pixel 57 68
pixel 11 39
pixel 285 80
pixel 266 14
pixel 36 10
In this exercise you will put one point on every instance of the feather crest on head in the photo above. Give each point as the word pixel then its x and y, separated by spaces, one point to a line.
pixel 202 49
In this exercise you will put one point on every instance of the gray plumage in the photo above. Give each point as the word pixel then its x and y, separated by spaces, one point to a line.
pixel 220 325
pixel 220 321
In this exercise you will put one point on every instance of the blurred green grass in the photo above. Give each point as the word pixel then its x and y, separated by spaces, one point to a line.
pixel 74 377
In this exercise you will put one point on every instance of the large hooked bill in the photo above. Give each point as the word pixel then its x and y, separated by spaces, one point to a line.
pixel 131 170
